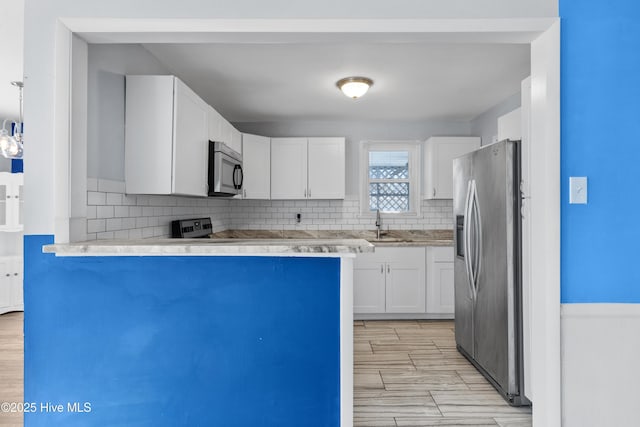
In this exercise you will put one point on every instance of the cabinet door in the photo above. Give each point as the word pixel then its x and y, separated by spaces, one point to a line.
pixel 6 288
pixel 227 133
pixel 215 124
pixel 368 284
pixel 5 199
pixel 10 284
pixel 190 147
pixel 440 284
pixel 18 197
pixel 288 168
pixel 236 140
pixel 405 283
pixel 17 284
pixel 256 165
pixel 326 168
pixel 11 201
pixel 149 132
pixel 440 153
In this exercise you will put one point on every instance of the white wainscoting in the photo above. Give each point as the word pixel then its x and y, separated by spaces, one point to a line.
pixel 600 365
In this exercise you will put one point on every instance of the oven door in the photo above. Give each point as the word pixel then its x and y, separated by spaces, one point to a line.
pixel 225 175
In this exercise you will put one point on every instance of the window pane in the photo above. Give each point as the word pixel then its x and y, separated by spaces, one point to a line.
pixel 388 164
pixel 389 196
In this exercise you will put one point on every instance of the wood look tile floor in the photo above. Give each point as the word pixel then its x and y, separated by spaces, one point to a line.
pixel 11 365
pixel 409 373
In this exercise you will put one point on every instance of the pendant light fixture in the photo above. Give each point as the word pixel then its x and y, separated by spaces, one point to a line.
pixel 354 87
pixel 11 145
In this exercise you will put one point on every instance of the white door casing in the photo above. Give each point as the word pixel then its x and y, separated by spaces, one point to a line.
pixel 542 33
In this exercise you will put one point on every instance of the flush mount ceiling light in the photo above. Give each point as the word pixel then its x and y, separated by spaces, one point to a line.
pixel 354 87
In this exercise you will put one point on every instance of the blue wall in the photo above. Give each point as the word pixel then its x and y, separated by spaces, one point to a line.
pixel 600 96
pixel 171 341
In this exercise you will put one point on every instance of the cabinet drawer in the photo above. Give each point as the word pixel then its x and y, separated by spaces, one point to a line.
pixel 442 254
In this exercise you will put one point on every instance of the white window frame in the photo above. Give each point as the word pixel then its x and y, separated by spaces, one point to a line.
pixel 413 148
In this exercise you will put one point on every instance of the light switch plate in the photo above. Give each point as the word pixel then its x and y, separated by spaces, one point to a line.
pixel 578 190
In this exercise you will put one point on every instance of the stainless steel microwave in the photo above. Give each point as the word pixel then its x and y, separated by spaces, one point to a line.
pixel 225 170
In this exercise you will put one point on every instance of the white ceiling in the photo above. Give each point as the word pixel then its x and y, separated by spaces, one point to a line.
pixel 296 81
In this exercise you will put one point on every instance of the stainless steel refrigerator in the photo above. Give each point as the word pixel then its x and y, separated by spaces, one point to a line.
pixel 487 274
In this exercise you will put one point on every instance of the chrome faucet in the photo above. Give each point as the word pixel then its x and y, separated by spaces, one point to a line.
pixel 378 224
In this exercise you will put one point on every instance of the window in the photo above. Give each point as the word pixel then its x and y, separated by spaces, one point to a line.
pixel 389 177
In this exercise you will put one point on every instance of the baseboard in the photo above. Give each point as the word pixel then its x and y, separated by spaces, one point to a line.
pixel 600 369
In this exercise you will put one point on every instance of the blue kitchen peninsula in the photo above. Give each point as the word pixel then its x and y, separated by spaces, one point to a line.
pixel 191 332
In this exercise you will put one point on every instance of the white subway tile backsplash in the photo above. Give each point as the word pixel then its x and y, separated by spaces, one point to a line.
pixel 129 199
pixel 135 233
pixel 113 214
pixel 95 225
pixel 92 212
pixel 121 234
pixel 95 198
pixel 114 224
pixel 128 223
pixel 105 211
pixel 110 186
pixel 105 236
pixel 114 199
pixel 92 184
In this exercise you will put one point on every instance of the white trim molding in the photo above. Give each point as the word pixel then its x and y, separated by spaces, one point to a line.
pixel 600 369
pixel 47 65
pixel 544 211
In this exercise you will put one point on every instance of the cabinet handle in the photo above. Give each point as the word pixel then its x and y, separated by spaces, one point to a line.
pixel 244 192
pixel 388 268
pixel 381 269
pixel 8 274
pixel 309 193
pixel 15 274
pixel 305 193
pixel 434 192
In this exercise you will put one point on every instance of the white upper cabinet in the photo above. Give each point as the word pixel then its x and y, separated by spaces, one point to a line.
pixel 510 126
pixel 11 201
pixel 220 130
pixel 326 168
pixel 256 164
pixel 236 140
pixel 190 142
pixel 307 168
pixel 215 125
pixel 438 162
pixel 166 137
pixel 288 168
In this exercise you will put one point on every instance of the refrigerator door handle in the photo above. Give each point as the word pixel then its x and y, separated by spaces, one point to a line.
pixel 477 237
pixel 467 241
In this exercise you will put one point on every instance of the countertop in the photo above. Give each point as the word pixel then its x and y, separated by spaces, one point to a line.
pixel 218 246
pixel 389 237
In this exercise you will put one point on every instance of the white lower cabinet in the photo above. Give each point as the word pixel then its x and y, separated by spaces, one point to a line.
pixel 416 281
pixel 369 284
pixel 440 285
pixel 390 280
pixel 10 284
